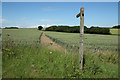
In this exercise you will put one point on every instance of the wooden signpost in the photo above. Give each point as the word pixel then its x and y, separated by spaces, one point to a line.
pixel 81 15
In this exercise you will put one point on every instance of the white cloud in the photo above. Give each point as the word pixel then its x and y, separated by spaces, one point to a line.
pixel 36 26
pixel 11 26
pixel 45 26
pixel 43 20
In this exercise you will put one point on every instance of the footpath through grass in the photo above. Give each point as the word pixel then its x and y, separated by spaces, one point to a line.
pixel 33 60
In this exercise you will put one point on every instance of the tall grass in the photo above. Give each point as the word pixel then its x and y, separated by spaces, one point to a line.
pixel 36 61
pixel 22 59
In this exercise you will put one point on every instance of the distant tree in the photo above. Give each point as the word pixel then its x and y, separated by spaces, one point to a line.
pixel 40 27
pixel 11 28
pixel 116 26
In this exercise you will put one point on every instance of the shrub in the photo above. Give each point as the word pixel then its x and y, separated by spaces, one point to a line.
pixel 98 30
pixel 40 27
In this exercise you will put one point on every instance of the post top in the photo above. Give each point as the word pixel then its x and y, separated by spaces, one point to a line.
pixel 82 9
pixel 81 12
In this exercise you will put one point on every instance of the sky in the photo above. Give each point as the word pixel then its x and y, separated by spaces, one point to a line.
pixel 60 0
pixel 33 14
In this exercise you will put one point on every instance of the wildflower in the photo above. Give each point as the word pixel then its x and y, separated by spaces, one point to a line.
pixel 34 70
pixel 32 65
pixel 50 52
pixel 73 45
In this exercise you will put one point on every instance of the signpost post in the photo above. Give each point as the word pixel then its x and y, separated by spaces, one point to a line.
pixel 81 15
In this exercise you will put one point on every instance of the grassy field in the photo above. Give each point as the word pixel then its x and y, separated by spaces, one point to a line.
pixel 24 57
pixel 91 41
pixel 21 35
pixel 115 31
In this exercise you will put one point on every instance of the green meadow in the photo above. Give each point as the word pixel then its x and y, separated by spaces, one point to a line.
pixel 115 31
pixel 91 41
pixel 24 56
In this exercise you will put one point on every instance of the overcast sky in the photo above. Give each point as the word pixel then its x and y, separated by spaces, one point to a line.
pixel 32 14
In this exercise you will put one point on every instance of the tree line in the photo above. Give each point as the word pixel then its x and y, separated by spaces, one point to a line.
pixel 118 27
pixel 76 29
pixel 11 28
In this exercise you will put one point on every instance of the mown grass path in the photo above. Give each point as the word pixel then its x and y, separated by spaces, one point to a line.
pixel 50 44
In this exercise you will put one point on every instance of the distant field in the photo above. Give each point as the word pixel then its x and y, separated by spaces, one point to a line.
pixel 115 31
pixel 91 41
pixel 21 35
